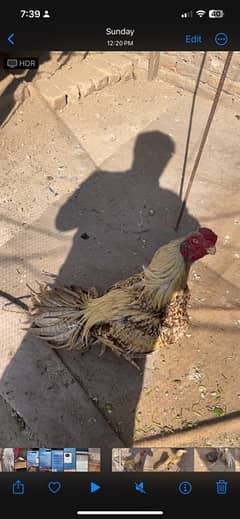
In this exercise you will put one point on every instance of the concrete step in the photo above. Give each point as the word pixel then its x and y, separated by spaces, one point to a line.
pixel 79 79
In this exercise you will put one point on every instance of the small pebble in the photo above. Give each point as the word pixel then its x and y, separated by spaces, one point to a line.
pixel 195 275
pixel 226 239
pixel 237 322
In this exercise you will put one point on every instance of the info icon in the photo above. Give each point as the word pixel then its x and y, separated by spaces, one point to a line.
pixel 185 488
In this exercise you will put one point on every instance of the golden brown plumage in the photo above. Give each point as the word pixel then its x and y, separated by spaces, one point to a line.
pixel 135 316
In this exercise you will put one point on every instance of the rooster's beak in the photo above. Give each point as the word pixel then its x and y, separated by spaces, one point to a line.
pixel 211 250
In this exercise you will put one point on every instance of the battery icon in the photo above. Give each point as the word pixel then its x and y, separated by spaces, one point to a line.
pixel 216 13
pixel 12 63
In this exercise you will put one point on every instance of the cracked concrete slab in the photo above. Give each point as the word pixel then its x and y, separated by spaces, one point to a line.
pixel 13 429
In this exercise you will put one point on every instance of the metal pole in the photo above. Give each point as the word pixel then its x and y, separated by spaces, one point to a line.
pixel 205 134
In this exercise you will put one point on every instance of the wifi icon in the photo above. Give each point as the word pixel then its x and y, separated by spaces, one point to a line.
pixel 201 13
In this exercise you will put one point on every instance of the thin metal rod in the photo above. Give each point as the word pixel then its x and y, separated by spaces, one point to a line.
pixel 190 124
pixel 205 134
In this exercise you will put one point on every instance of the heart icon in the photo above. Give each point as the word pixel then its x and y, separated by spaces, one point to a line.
pixel 54 486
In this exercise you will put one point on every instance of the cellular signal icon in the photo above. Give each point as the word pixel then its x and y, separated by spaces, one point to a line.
pixel 188 14
pixel 201 13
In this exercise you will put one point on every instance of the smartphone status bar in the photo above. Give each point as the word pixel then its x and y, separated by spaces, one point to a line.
pixel 71 30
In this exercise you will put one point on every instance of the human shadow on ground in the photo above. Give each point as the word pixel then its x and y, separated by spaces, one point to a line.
pixel 121 218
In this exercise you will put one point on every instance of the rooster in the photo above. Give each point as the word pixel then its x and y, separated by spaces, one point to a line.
pixel 135 316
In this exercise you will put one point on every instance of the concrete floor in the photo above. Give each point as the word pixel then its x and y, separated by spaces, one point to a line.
pixel 111 167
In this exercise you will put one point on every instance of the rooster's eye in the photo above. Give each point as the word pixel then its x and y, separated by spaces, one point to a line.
pixel 195 241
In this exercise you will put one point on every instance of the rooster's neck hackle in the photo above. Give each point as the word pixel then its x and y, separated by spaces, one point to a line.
pixel 162 280
pixel 166 274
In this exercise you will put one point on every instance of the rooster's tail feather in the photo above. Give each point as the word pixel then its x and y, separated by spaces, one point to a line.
pixel 56 315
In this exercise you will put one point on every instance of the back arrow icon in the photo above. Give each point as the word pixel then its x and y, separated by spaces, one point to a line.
pixel 10 38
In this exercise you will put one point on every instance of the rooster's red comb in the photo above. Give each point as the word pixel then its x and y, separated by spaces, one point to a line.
pixel 209 235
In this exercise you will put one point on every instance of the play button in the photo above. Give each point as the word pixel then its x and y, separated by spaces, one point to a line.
pixel 94 487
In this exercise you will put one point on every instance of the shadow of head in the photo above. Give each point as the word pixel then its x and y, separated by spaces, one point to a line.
pixel 152 151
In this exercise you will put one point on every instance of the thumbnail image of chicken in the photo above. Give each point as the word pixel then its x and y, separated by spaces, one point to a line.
pixel 217 459
pixel 152 460
pixel 135 316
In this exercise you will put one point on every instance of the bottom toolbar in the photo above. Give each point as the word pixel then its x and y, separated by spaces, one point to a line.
pixel 119 494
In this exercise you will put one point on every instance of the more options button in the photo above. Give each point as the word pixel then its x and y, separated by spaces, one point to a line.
pixel 221 39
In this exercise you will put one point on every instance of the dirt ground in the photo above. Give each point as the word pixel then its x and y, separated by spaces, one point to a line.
pixel 110 167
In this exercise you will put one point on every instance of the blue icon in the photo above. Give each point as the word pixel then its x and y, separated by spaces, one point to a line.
pixel 193 39
pixel 94 487
pixel 139 487
pixel 18 488
pixel 54 486
pixel 185 488
pixel 221 39
pixel 10 38
pixel 221 487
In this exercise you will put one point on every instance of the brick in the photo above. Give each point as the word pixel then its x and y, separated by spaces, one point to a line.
pixel 123 64
pixel 189 70
pixel 98 77
pixel 109 71
pixel 233 72
pixel 87 78
pixel 21 93
pixel 85 74
pixel 139 60
pixel 213 80
pixel 215 63
pixel 64 82
pixel 140 73
pixel 52 94
pixel 231 87
pixel 177 80
pixel 187 56
pixel 168 61
pixel 82 80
